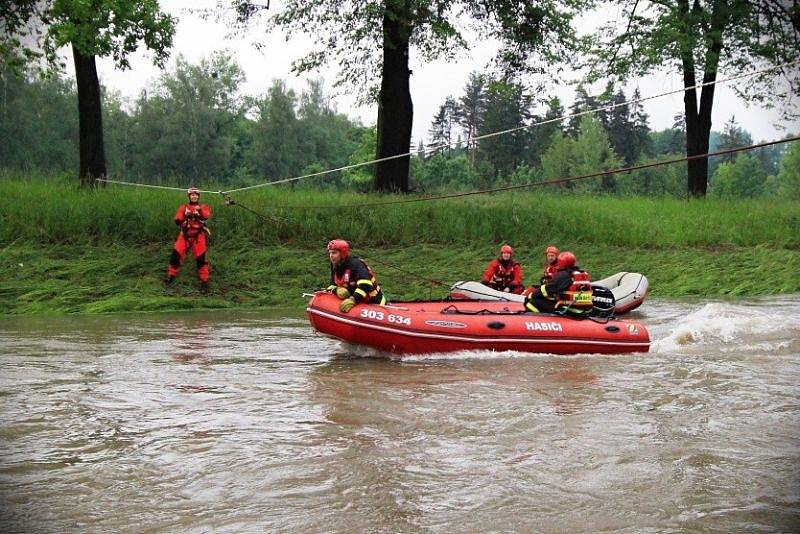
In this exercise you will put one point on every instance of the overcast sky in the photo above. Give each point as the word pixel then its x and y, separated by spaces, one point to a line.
pixel 430 83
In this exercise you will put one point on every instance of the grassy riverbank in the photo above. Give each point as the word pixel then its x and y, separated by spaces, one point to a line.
pixel 64 250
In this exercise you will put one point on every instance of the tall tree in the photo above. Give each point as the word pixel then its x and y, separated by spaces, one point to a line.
pixel 640 128
pixel 441 130
pixel 583 102
pixel 370 41
pixel 508 106
pixel 592 152
pixel 471 108
pixel 557 159
pixel 328 137
pixel 92 28
pixel 276 151
pixel 703 37
pixel 542 135
pixel 620 127
pixel 734 136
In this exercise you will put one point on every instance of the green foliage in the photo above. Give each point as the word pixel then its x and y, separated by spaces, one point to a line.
pixel 38 123
pixel 507 107
pixel 106 28
pixel 360 178
pixel 192 123
pixel 732 136
pixel 109 28
pixel 788 180
pixel 186 126
pixel 350 34
pixel 533 35
pixel 660 34
pixel 442 130
pixel 471 108
pixel 669 141
pixel 16 48
pixel 666 181
pixel 700 40
pixel 276 150
pixel 557 160
pixel 590 152
pixel 744 178
pixel 447 173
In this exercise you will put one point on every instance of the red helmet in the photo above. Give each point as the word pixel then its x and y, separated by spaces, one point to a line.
pixel 192 191
pixel 551 250
pixel 506 248
pixel 341 245
pixel 566 259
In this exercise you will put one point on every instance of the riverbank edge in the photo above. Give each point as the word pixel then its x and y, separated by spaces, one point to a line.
pixel 92 279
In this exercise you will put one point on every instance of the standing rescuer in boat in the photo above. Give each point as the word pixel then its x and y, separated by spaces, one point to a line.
pixel 191 219
pixel 503 273
pixel 351 279
pixel 569 291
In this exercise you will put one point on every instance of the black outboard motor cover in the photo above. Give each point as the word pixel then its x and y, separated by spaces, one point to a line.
pixel 603 302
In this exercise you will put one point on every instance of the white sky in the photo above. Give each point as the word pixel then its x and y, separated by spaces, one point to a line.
pixel 430 83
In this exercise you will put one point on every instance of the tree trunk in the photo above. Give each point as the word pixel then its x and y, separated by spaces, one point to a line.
pixel 90 118
pixel 395 110
pixel 698 122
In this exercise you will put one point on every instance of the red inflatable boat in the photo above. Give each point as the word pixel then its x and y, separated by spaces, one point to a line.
pixel 446 326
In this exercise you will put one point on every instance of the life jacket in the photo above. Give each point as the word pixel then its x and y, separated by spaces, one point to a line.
pixel 578 296
pixel 549 272
pixel 503 276
pixel 347 280
pixel 191 223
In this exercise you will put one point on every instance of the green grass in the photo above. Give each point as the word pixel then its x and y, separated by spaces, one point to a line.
pixel 66 250
pixel 51 212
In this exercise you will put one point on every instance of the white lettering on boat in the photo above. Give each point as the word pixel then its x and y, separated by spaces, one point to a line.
pixel 446 324
pixel 380 316
pixel 550 327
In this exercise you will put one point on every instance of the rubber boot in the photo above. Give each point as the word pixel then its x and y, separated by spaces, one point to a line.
pixel 204 288
pixel 168 281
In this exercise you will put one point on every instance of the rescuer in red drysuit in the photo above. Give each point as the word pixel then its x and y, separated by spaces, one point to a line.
pixel 191 219
pixel 503 273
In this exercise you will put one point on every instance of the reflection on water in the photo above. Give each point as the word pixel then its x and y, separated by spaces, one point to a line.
pixel 251 422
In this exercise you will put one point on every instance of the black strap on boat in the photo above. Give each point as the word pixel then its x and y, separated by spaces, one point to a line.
pixel 452 309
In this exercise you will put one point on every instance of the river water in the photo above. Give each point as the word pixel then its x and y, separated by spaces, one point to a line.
pixel 251 422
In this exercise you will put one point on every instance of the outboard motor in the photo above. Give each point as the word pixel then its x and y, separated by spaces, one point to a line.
pixel 603 302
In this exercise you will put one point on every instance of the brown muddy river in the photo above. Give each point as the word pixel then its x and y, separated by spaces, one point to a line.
pixel 251 422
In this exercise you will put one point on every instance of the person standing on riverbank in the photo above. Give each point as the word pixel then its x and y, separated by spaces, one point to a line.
pixel 351 279
pixel 191 219
pixel 503 273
